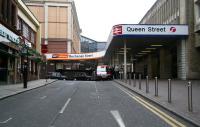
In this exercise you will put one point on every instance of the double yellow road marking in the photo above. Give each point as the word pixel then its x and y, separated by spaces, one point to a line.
pixel 168 119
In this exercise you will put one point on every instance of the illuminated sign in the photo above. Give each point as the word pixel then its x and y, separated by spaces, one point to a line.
pixel 82 56
pixel 77 56
pixel 117 30
pixel 7 35
pixel 150 30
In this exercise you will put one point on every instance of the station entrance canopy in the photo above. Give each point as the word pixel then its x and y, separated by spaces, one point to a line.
pixel 141 36
pixel 136 37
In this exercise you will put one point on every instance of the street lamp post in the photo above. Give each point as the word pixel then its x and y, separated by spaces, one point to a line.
pixel 25 65
pixel 46 75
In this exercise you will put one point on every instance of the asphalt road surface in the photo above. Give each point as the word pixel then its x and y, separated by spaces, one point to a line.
pixel 83 104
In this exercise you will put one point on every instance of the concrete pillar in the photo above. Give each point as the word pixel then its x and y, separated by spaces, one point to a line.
pixel 46 15
pixel 149 63
pixel 8 71
pixel 125 61
pixel 181 46
pixel 69 33
pixel 165 63
pixel 153 68
pixel 193 53
pixel 187 54
pixel 182 60
pixel 113 60
pixel 15 71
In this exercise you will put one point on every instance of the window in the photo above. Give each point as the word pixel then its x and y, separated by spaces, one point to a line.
pixel 1 10
pixel 32 37
pixel 8 12
pixel 13 15
pixel 19 24
pixel 4 9
pixel 198 9
pixel 25 31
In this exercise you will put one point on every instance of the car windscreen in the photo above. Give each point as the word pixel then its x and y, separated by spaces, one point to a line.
pixel 101 69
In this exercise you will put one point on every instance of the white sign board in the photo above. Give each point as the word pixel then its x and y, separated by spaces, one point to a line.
pixel 82 56
pixel 150 30
pixel 87 55
pixel 8 36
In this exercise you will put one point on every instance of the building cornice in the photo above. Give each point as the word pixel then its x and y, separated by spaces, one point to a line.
pixel 27 12
pixel 75 16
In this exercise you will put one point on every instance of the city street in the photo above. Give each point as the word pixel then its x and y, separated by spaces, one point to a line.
pixel 83 104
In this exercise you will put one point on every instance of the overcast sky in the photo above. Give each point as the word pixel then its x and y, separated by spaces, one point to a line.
pixel 96 17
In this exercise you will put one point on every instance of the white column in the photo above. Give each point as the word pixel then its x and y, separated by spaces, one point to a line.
pixel 46 13
pixel 15 71
pixel 131 63
pixel 125 60
pixel 182 60
pixel 69 36
pixel 8 71
pixel 113 59
pixel 183 11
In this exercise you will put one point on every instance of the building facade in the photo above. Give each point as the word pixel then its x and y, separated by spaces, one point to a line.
pixel 18 27
pixel 88 45
pixel 101 46
pixel 60 26
pixel 179 59
pixel 60 29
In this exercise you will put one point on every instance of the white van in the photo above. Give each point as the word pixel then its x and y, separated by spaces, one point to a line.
pixel 104 72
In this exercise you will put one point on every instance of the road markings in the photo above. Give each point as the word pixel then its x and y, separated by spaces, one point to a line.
pixel 6 121
pixel 97 92
pixel 96 88
pixel 70 83
pixel 43 97
pixel 58 88
pixel 118 118
pixel 168 119
pixel 65 106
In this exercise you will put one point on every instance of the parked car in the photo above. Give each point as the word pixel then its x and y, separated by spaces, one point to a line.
pixel 56 75
pixel 104 72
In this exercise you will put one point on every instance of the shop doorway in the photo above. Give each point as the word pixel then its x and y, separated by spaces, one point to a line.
pixel 3 68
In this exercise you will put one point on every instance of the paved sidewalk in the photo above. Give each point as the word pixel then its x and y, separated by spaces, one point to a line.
pixel 13 89
pixel 179 104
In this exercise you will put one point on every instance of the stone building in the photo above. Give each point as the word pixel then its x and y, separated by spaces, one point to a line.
pixel 60 28
pixel 180 59
pixel 18 27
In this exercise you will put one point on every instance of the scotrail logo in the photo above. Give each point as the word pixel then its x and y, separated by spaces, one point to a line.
pixel 173 29
pixel 117 30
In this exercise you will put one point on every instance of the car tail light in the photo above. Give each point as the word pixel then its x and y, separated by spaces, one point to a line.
pixel 109 73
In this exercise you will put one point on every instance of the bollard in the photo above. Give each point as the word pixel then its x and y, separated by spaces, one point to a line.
pixel 147 84
pixel 123 77
pixel 169 91
pixel 140 82
pixel 129 78
pixel 134 80
pixel 156 86
pixel 190 103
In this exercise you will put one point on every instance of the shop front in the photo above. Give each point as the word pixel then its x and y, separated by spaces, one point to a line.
pixel 9 56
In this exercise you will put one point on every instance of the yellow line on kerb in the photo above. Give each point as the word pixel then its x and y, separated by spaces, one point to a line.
pixel 168 119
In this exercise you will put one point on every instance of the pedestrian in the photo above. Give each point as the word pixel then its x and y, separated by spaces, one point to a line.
pixel 116 72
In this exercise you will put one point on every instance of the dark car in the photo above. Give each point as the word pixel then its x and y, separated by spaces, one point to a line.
pixel 82 76
pixel 56 75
